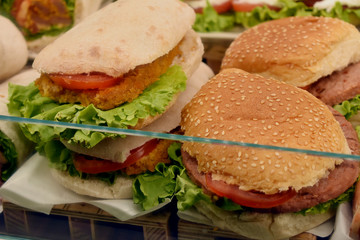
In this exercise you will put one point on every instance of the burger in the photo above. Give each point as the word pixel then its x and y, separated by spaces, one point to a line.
pixel 261 193
pixel 119 70
pixel 41 21
pixel 222 15
pixel 319 54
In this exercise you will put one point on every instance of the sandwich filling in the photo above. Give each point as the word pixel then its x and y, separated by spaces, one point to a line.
pixel 339 86
pixel 103 91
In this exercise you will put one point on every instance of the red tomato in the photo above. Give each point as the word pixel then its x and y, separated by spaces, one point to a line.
pixel 245 198
pixel 219 8
pixel 248 7
pixel 84 81
pixel 94 165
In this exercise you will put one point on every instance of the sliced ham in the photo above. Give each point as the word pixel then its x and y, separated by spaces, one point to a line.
pixel 339 86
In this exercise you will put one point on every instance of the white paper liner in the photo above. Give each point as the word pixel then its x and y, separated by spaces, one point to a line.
pixel 33 187
pixel 342 222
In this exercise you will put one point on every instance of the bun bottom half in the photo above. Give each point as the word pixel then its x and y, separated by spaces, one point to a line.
pixel 255 225
pixel 122 187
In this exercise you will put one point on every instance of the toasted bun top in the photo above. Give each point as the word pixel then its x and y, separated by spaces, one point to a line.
pixel 296 50
pixel 238 106
pixel 118 38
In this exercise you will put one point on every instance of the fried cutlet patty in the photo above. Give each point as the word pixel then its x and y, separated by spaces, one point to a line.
pixel 148 162
pixel 129 88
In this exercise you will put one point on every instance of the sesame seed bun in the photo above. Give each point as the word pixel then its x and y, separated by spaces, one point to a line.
pixel 296 50
pixel 238 106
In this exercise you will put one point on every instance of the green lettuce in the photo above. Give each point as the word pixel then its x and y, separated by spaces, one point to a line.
pixel 7 148
pixel 153 188
pixel 26 101
pixel 349 108
pixel 211 21
pixel 5 10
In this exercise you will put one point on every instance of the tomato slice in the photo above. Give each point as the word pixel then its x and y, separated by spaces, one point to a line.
pixel 239 6
pixel 84 81
pixel 92 165
pixel 245 198
pixel 221 7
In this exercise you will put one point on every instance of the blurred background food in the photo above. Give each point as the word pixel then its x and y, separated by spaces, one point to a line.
pixel 42 21
pixel 224 15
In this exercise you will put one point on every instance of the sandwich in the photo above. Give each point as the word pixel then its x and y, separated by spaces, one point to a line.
pixel 13 50
pixel 248 13
pixel 15 148
pixel 263 193
pixel 319 54
pixel 41 21
pixel 126 66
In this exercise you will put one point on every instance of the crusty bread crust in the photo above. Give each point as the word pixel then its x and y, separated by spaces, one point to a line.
pixel 238 106
pixel 122 188
pixel 296 50
pixel 108 42
pixel 262 225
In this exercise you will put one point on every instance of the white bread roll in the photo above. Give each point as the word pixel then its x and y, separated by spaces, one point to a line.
pixel 101 47
pixel 13 49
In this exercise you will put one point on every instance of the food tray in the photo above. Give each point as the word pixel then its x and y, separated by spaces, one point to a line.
pixel 84 221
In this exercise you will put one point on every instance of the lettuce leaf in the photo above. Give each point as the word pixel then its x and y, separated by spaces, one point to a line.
pixel 209 21
pixel 152 188
pixel 26 101
pixel 349 108
pixel 7 148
